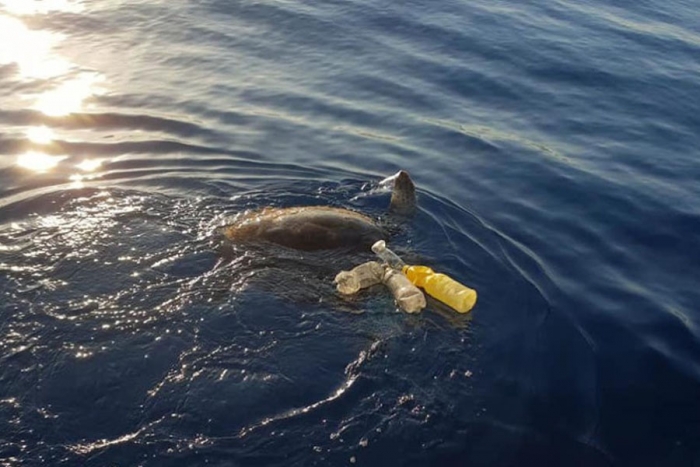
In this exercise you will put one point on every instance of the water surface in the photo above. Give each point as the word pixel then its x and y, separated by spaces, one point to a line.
pixel 554 146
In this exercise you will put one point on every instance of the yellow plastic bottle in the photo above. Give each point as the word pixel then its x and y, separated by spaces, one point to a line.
pixel 442 287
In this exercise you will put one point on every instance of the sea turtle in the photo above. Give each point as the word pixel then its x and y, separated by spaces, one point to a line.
pixel 321 227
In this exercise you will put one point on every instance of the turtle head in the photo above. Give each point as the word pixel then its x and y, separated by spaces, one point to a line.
pixel 403 195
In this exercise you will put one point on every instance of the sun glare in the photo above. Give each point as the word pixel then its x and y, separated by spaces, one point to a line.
pixel 77 181
pixel 69 96
pixel 89 165
pixel 31 50
pixel 30 7
pixel 40 134
pixel 39 162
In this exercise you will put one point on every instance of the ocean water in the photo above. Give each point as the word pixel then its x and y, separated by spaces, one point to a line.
pixel 555 150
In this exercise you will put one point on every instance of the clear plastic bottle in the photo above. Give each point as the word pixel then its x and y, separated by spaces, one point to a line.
pixel 442 287
pixel 408 296
pixel 362 276
pixel 388 256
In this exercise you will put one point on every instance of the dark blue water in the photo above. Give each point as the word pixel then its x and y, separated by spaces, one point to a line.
pixel 555 150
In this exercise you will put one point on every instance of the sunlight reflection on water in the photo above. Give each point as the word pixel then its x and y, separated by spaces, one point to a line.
pixel 39 162
pixel 34 54
pixel 69 96
pixel 31 50
pixel 89 165
pixel 40 134
pixel 29 7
